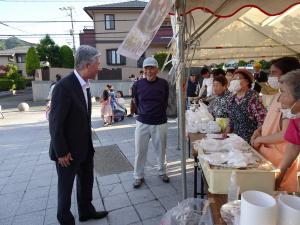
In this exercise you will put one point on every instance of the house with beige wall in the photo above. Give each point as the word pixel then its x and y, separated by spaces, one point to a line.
pixel 112 22
pixel 16 56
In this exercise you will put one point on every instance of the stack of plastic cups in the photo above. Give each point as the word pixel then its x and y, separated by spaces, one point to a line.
pixel 289 210
pixel 258 208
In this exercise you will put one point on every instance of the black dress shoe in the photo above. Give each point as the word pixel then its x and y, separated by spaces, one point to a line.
pixel 96 215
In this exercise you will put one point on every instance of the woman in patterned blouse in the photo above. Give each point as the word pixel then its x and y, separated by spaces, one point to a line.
pixel 246 113
pixel 219 106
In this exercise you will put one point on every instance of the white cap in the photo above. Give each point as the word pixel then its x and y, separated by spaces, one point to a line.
pixel 150 61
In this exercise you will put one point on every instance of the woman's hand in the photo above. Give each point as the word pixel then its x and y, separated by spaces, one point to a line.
pixel 256 143
pixel 256 134
pixel 226 132
pixel 278 179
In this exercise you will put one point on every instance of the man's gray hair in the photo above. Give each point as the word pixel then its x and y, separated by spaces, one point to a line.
pixel 292 80
pixel 85 54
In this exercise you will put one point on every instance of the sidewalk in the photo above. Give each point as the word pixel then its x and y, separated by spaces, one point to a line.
pixel 28 181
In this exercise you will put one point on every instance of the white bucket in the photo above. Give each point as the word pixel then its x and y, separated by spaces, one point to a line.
pixel 258 208
pixel 289 210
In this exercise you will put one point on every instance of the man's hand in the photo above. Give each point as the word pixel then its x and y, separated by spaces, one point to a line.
pixel 65 161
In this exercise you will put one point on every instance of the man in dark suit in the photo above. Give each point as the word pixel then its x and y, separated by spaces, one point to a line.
pixel 71 144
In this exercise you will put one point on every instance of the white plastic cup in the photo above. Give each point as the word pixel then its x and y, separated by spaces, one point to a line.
pixel 289 210
pixel 258 208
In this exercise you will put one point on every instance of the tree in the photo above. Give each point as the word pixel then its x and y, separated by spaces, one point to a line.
pixel 32 61
pixel 265 64
pixel 12 72
pixel 49 51
pixel 67 57
pixel 242 63
pixel 161 57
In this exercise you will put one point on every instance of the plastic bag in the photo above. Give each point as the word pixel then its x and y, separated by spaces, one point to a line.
pixel 191 211
pixel 230 212
pixel 197 119
pixel 204 114
pixel 213 127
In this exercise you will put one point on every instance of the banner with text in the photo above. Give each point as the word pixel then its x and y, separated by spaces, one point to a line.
pixel 144 30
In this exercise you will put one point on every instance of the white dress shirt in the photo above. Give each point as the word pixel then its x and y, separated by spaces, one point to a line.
pixel 209 83
pixel 84 86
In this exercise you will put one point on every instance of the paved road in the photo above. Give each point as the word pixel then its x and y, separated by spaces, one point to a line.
pixel 10 103
pixel 28 181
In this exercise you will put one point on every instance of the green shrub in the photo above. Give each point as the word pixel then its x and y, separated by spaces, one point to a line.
pixel 20 84
pixel 6 84
pixel 32 61
pixel 28 82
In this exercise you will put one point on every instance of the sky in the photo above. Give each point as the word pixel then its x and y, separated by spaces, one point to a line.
pixel 45 10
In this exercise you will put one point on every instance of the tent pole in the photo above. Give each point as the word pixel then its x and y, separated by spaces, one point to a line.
pixel 181 95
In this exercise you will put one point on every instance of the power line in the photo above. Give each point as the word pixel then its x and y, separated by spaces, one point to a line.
pixel 15 28
pixel 55 34
pixel 59 21
pixel 42 1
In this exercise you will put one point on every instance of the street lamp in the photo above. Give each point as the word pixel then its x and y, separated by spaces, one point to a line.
pixel 70 10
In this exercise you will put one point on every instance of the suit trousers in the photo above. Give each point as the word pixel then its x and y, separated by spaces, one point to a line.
pixel 84 172
pixel 143 133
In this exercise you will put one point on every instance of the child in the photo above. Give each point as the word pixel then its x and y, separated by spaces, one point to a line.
pixel 106 110
pixel 120 109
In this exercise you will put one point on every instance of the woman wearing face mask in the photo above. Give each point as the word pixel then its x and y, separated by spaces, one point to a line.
pixel 218 107
pixel 269 138
pixel 245 112
pixel 290 98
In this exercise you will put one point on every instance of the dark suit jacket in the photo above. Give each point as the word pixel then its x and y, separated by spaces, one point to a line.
pixel 70 121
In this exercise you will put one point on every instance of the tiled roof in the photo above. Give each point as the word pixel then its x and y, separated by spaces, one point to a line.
pixel 16 50
pixel 120 5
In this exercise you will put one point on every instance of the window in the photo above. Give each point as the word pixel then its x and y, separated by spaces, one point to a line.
pixel 113 58
pixel 11 58
pixel 109 21
pixel 20 58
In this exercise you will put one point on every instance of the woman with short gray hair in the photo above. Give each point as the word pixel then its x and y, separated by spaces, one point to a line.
pixel 268 139
pixel 292 82
pixel 290 100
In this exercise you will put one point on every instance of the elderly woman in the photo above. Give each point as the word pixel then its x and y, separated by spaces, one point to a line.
pixel 269 138
pixel 290 99
pixel 218 107
pixel 245 112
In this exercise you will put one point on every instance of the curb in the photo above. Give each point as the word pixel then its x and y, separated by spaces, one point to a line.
pixel 6 93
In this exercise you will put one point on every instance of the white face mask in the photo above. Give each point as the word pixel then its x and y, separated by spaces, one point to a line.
pixel 273 82
pixel 287 113
pixel 235 86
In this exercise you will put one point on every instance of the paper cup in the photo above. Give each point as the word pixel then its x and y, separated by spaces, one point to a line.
pixel 258 208
pixel 289 210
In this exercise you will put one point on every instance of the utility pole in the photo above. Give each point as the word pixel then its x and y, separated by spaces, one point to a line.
pixel 70 13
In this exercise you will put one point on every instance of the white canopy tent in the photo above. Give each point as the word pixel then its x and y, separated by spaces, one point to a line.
pixel 212 31
pixel 248 34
